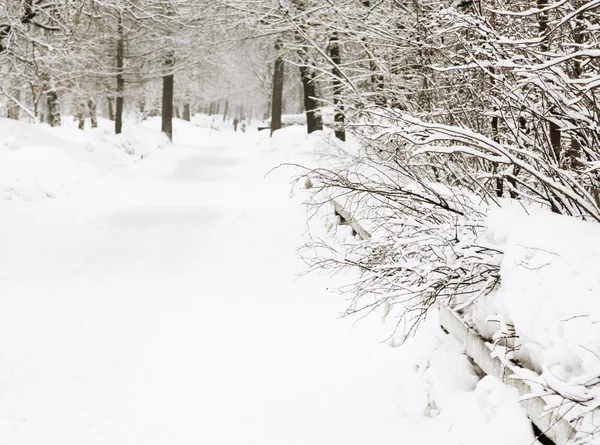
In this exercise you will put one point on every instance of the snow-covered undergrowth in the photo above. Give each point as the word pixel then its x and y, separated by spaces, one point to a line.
pixel 445 400
pixel 525 278
pixel 39 162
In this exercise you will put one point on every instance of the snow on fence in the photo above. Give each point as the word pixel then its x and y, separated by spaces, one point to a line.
pixel 480 351
pixel 348 219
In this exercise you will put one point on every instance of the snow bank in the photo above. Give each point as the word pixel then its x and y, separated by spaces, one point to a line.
pixel 38 162
pixel 549 292
pixel 461 407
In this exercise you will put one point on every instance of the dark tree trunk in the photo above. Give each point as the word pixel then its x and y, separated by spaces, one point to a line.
pixel 167 99
pixel 187 116
pixel 543 24
pixel 226 110
pixel 277 97
pixel 93 114
pixel 120 79
pixel 499 179
pixel 555 140
pixel 553 128
pixel 336 58
pixel 314 121
pixel 573 152
pixel 308 77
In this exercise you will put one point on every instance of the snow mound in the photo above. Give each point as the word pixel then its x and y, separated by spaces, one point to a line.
pixel 37 161
pixel 549 292
pixel 461 408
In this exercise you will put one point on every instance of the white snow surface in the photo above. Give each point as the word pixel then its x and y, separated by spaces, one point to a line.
pixel 150 295
pixel 549 291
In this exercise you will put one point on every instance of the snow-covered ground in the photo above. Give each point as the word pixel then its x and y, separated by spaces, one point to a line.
pixel 155 299
pixel 549 293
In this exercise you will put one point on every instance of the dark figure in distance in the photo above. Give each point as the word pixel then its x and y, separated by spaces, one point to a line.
pixel 235 124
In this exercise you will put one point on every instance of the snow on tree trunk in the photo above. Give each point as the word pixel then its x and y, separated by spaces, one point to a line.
pixel 111 109
pixel 80 116
pixel 13 109
pixel 93 113
pixel 336 58
pixel 53 106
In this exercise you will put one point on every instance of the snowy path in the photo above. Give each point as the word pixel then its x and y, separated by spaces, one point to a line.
pixel 162 308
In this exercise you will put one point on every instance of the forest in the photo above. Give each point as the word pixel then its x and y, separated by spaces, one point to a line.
pixel 457 105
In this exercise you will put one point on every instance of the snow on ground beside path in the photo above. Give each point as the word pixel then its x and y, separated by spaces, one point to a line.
pixel 448 401
pixel 549 291
pixel 40 162
pixel 160 304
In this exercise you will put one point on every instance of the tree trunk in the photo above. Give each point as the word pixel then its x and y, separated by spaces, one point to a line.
pixel 499 179
pixel 334 53
pixel 80 114
pixel 53 108
pixel 13 108
pixel 111 109
pixel 308 77
pixel 314 121
pixel 543 24
pixel 277 96
pixel 167 99
pixel 553 128
pixel 120 79
pixel 226 110
pixel 93 114
pixel 377 80
pixel 186 113
pixel 555 140
pixel 177 112
pixel 573 152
